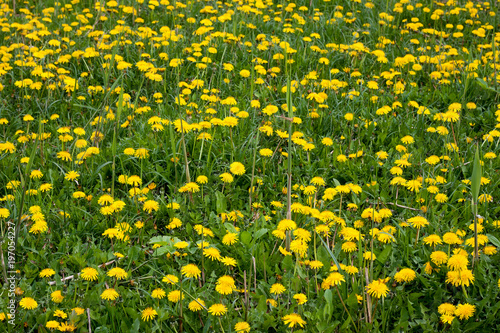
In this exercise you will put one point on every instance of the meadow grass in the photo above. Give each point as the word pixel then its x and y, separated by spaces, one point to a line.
pixel 249 166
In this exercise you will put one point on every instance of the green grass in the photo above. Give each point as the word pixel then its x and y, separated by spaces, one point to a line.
pixel 382 181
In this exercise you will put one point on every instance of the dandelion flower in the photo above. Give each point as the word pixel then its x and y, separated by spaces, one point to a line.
pixel 212 253
pixel 377 288
pixel 228 261
pixel 118 273
pixel 237 168
pixel 465 311
pixel 191 270
pixel 57 296
pixel 170 279
pixel 293 319
pixel 226 177
pixel 368 255
pixel 89 274
pixel 242 327
pixel 300 298
pixel 441 197
pixel 277 289
pixel 460 278
pixel 150 206
pixel 451 238
pixel 28 303
pixel 202 179
pixel 439 257
pixel 334 279
pixel 175 296
pixel 266 152
pixel 217 310
pixel 225 285
pixel 109 294
pixel 286 225
pixel 432 240
pixel 158 293
pixel 148 314
pixel 129 151
pixel 47 272
pixel 405 275
pixel 71 175
pixel 196 305
pixel 418 222
pixel 52 325
pixel 447 319
pixel 446 308
pixel 141 153
pixel 191 187
pixel 60 314
pixel 413 185
pixel 458 262
pixel 407 139
pixel 349 247
pixel 230 238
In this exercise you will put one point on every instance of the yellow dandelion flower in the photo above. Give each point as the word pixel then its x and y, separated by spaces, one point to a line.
pixel 89 274
pixel 293 320
pixel 148 314
pixel 217 310
pixel 28 303
pixel 110 294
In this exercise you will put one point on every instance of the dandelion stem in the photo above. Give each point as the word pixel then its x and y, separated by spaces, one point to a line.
pixel 181 324
pixel 465 292
pixel 253 172
pixel 221 327
pixel 345 308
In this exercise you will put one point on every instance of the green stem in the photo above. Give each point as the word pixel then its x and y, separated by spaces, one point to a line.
pixel 345 308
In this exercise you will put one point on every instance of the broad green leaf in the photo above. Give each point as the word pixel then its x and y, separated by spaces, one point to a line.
pixel 207 325
pixel 246 237
pixel 382 257
pixel 352 300
pixel 288 263
pixel 230 227
pixel 259 233
pixel 220 203
pixel 163 240
pixel 135 326
pixel 262 305
pixel 329 297
pixel 483 84
pixel 164 249
pixel 493 240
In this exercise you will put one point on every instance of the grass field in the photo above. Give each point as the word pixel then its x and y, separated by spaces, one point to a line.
pixel 249 166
